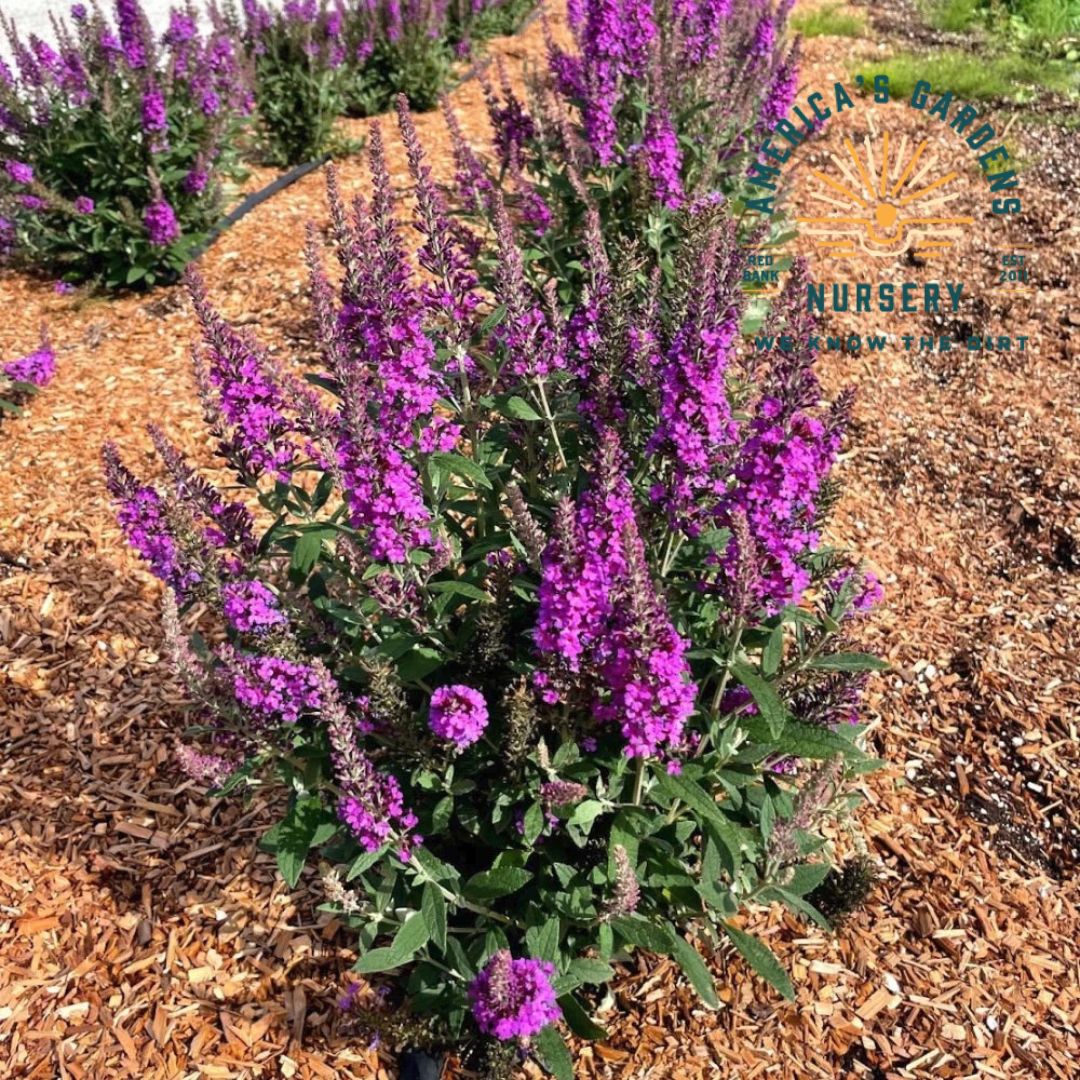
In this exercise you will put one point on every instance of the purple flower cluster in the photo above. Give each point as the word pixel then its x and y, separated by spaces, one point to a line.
pixel 778 472
pixel 382 358
pixel 663 158
pixel 155 116
pixel 514 998
pixel 241 392
pixel 562 792
pixel 19 171
pixel 229 523
pixel 36 368
pixel 780 96
pixel 599 612
pixel 458 714
pixel 271 688
pixel 861 590
pixel 162 228
pixel 134 31
pixel 640 64
pixel 371 804
pixel 694 423
pixel 251 608
pixel 209 769
pixel 143 517
pixel 83 205
pixel 613 39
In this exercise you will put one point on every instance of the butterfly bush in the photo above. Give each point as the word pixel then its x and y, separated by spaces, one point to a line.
pixel 522 600
pixel 657 104
pixel 115 143
pixel 314 60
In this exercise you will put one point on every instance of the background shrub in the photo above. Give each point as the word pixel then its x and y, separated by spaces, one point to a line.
pixel 115 144
pixel 298 57
pixel 403 48
pixel 657 106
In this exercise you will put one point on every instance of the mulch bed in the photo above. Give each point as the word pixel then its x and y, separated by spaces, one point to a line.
pixel 141 932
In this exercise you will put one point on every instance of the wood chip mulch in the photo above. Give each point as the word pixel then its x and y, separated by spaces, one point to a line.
pixel 142 934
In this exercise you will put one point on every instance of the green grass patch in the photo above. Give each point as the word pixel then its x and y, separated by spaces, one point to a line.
pixel 831 21
pixel 1049 19
pixel 972 77
pixel 955 15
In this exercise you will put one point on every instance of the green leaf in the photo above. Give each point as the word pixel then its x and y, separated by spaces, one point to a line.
pixel 364 861
pixel 376 960
pixel 419 662
pixel 765 696
pixel 578 1020
pixel 491 884
pixel 694 967
pixel 704 805
pixel 807 877
pixel 543 941
pixel 462 467
pixel 586 812
pixel 638 931
pixel 293 837
pixel 773 652
pixel 762 959
pixel 553 1053
pixel 606 940
pixel 412 936
pixel 587 970
pixel 800 740
pixel 306 551
pixel 519 409
pixel 460 588
pixel 533 823
pixel 797 904
pixel 433 906
pixel 433 866
pixel 848 662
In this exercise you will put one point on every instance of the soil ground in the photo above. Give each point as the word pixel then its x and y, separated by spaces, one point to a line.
pixel 142 934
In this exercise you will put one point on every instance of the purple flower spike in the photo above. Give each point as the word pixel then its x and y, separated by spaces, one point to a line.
pixel 251 607
pixel 458 714
pixel 37 368
pixel 514 999
pixel 273 689
pixel 19 171
pixel 155 116
pixel 161 225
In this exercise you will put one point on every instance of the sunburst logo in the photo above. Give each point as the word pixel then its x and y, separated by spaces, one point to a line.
pixel 885 201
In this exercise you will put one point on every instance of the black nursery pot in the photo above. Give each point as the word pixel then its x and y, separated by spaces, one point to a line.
pixel 420 1065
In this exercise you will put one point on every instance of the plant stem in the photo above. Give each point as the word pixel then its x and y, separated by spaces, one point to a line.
pixel 736 640
pixel 550 420
pixel 639 781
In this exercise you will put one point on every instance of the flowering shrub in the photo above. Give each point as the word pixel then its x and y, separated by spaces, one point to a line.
pixel 21 379
pixel 477 20
pixel 114 144
pixel 297 54
pixel 525 609
pixel 316 59
pixel 401 48
pixel 659 104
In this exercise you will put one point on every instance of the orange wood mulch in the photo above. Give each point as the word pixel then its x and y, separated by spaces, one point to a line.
pixel 143 935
